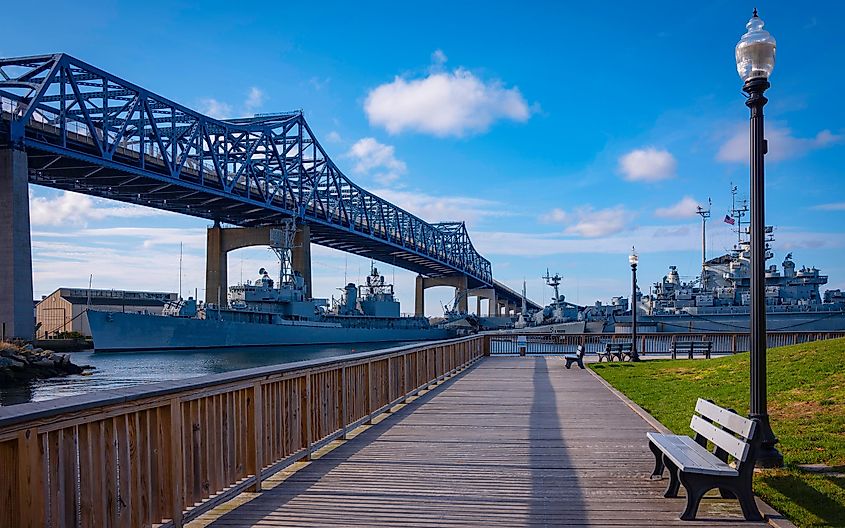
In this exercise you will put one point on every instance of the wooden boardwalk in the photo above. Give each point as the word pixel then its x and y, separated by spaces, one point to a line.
pixel 510 442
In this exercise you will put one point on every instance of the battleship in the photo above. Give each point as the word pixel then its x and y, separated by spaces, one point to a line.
pixel 268 312
pixel 717 300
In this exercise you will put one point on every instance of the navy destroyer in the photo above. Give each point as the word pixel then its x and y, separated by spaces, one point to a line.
pixel 268 312
pixel 717 300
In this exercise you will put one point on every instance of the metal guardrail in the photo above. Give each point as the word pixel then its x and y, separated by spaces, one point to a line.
pixel 167 452
pixel 648 343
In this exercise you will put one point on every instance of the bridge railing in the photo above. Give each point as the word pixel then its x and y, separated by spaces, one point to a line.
pixel 167 452
pixel 647 343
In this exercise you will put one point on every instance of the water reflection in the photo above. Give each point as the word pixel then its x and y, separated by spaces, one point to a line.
pixel 123 369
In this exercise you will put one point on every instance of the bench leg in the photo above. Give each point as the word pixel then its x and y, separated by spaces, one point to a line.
pixel 696 488
pixel 748 505
pixel 657 473
pixel 674 483
pixel 568 363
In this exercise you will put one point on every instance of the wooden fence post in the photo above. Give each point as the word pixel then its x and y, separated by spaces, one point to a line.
pixel 258 431
pixel 176 464
pixel 309 406
pixel 31 491
pixel 343 402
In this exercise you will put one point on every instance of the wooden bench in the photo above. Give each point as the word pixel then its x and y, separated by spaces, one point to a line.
pixel 691 347
pixel 616 350
pixel 690 462
pixel 577 357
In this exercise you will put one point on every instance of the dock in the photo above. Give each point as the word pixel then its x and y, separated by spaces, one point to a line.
pixel 511 442
pixel 439 434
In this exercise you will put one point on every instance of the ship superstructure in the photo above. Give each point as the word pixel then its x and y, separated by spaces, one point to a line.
pixel 268 312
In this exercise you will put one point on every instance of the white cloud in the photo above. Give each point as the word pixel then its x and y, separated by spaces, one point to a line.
pixel 591 223
pixel 216 109
pixel 556 215
pixel 444 103
pixel 438 58
pixel 648 164
pixel 783 144
pixel 686 207
pixel 647 239
pixel 73 208
pixel 442 208
pixel 333 137
pixel 837 206
pixel 376 159
pixel 254 99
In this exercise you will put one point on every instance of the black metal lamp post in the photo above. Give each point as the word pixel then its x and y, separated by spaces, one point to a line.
pixel 755 60
pixel 633 259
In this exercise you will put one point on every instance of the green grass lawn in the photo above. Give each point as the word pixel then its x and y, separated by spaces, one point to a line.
pixel 806 407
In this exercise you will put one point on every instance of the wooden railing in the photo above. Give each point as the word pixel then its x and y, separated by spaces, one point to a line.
pixel 647 343
pixel 165 453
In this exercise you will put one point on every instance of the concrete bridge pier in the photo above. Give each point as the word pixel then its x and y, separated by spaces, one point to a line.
pixel 485 293
pixel 221 240
pixel 459 282
pixel 16 309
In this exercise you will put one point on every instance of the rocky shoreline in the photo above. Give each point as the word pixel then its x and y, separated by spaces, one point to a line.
pixel 24 363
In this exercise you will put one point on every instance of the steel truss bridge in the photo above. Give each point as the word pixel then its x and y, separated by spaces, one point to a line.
pixel 88 131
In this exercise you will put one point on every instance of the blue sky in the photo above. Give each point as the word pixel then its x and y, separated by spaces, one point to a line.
pixel 562 134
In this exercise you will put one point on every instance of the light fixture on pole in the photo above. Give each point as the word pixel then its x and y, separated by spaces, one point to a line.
pixel 633 259
pixel 755 60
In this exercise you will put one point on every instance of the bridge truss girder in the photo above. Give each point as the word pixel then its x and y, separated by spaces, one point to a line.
pixel 88 131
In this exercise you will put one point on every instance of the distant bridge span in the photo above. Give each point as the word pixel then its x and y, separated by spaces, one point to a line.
pixel 88 131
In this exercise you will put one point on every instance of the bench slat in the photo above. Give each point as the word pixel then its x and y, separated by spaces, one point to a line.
pixel 689 456
pixel 725 418
pixel 731 444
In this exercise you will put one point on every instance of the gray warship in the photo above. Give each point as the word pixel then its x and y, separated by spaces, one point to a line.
pixel 717 300
pixel 267 312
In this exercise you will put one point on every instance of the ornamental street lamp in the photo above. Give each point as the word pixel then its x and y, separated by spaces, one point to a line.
pixel 633 259
pixel 755 60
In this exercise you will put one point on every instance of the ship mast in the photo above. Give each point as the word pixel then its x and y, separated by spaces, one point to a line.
pixel 554 282
pixel 738 212
pixel 281 242
pixel 704 214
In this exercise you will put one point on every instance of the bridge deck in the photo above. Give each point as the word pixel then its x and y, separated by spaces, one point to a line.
pixel 513 441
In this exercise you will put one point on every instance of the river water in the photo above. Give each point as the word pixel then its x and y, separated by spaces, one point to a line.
pixel 116 370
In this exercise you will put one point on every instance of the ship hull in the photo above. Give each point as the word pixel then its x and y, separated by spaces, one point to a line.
pixel 833 321
pixel 117 331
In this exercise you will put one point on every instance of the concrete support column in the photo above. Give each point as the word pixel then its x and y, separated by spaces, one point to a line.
pixel 493 307
pixel 478 305
pixel 216 266
pixel 419 297
pixel 301 255
pixel 16 308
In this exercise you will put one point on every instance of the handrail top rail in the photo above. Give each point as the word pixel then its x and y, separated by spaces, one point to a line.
pixel 16 414
pixel 627 335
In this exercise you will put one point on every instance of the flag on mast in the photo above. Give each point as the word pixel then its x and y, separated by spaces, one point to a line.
pixel 729 220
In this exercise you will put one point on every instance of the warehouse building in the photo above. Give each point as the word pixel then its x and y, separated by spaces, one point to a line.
pixel 64 309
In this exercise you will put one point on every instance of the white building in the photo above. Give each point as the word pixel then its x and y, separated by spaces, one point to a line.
pixel 64 309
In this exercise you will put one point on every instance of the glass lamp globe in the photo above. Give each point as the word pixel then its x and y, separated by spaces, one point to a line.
pixel 633 258
pixel 755 51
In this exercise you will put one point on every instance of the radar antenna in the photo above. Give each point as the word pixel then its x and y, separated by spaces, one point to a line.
pixel 553 281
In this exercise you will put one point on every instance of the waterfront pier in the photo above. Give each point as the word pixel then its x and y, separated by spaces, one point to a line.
pixel 445 433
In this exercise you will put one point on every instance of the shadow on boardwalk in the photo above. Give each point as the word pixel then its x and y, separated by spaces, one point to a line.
pixel 510 442
pixel 555 491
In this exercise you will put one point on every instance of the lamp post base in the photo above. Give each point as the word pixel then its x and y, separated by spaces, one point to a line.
pixel 768 455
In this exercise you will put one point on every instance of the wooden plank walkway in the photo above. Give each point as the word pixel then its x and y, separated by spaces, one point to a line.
pixel 510 442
